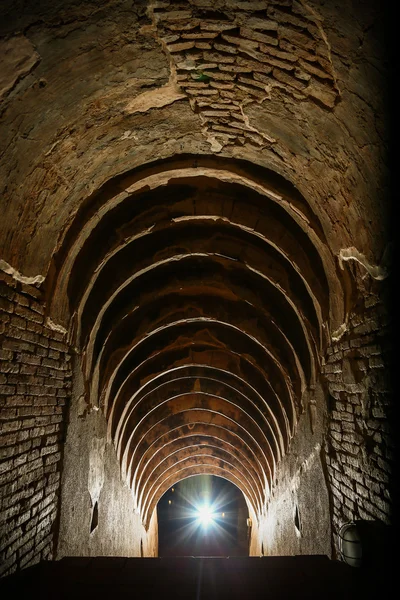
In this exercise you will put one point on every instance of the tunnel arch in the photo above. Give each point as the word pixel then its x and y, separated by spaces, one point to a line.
pixel 160 173
pixel 206 442
pixel 191 471
pixel 194 266
pixel 206 385
pixel 203 257
pixel 202 516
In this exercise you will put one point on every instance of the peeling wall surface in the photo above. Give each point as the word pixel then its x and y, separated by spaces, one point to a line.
pixel 195 213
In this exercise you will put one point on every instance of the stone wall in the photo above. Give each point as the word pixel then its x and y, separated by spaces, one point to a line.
pixel 360 443
pixel 346 469
pixel 35 381
pixel 97 513
pixel 297 519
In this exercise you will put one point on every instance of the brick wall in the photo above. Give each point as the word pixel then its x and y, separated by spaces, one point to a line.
pixel 360 441
pixel 35 380
pixel 222 65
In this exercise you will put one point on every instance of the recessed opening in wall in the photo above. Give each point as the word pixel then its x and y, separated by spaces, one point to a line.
pixel 297 523
pixel 207 517
pixel 95 517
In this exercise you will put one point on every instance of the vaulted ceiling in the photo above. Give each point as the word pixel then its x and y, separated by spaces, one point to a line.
pixel 188 179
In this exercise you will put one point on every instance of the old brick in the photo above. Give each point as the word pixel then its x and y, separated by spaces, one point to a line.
pixel 218 58
pixel 204 35
pixel 49 450
pixel 349 503
pixel 336 435
pixel 28 314
pixel 253 66
pixel 248 5
pixel 384 464
pixel 34 327
pixel 26 556
pixel 261 24
pixel 18 322
pixel 379 475
pixel 176 15
pixel 5 355
pixel 217 26
pixel 219 75
pixel 56 457
pixel 29 359
pixel 6 305
pixel 264 38
pixel 225 48
pixel 253 92
pixel 7 286
pixel 180 46
pixel 10 426
pixel 249 81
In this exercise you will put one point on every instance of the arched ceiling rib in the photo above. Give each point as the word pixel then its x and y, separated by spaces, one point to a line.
pixel 215 335
pixel 187 436
pixel 250 178
pixel 199 459
pixel 178 449
pixel 240 417
pixel 155 311
pixel 247 286
pixel 134 413
pixel 200 292
pixel 185 238
pixel 192 377
pixel 205 417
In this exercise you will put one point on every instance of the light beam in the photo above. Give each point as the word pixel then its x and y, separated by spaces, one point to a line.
pixel 205 515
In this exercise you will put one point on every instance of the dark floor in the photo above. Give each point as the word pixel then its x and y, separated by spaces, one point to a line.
pixel 209 578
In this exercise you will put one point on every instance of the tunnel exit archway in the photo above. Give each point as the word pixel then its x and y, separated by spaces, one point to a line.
pixel 203 515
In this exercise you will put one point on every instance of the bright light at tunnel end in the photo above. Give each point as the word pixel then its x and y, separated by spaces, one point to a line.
pixel 205 515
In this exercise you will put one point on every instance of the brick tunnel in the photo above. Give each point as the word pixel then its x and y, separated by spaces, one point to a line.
pixel 195 270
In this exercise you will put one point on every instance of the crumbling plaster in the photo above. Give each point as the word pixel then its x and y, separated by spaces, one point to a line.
pixel 75 131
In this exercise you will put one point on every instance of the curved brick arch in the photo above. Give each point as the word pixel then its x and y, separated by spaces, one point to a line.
pixel 182 200
pixel 174 307
pixel 297 331
pixel 192 352
pixel 134 413
pixel 215 464
pixel 143 431
pixel 124 391
pixel 213 455
pixel 184 435
pixel 65 267
pixel 282 397
pixel 174 449
pixel 191 417
pixel 192 236
pixel 196 373
pixel 260 265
